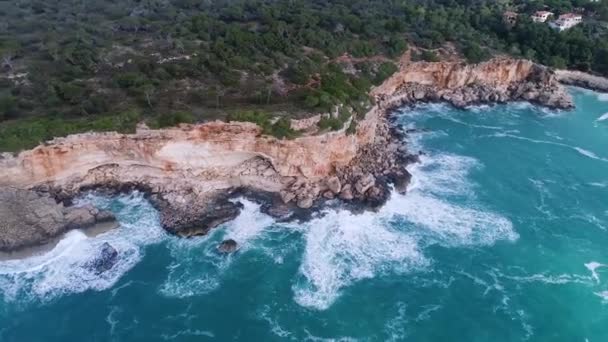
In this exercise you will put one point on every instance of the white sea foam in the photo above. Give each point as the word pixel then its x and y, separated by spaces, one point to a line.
pixel 343 248
pixel 588 153
pixel 592 267
pixel 197 267
pixel 603 117
pixel 265 314
pixel 603 295
pixel 395 327
pixel 602 97
pixel 187 332
pixel 63 269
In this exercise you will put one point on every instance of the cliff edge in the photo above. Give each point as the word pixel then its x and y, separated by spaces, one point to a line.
pixel 189 172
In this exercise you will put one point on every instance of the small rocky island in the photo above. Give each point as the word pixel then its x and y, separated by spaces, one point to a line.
pixel 190 173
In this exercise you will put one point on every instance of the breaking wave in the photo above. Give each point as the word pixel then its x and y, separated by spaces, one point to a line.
pixel 343 248
pixel 197 267
pixel 64 269
pixel 603 117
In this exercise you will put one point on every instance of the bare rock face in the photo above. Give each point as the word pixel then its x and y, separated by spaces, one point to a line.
pixel 495 81
pixel 364 183
pixel 29 218
pixel 334 185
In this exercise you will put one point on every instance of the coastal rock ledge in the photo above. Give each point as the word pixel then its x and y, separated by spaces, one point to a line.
pixel 191 173
pixel 29 218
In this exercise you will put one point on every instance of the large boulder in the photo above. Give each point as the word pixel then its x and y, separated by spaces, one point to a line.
pixel 305 202
pixel 227 246
pixel 346 193
pixel 29 218
pixel 333 184
pixel 364 183
pixel 105 260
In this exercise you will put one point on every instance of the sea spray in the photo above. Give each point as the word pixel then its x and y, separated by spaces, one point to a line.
pixel 63 270
pixel 342 247
pixel 197 267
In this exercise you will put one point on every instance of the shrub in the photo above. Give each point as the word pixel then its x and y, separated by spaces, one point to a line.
pixel 174 119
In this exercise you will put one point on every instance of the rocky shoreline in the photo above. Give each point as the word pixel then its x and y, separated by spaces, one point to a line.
pixel 192 173
pixel 583 80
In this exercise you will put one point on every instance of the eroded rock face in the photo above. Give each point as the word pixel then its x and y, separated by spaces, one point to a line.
pixel 189 171
pixel 29 218
pixel 496 81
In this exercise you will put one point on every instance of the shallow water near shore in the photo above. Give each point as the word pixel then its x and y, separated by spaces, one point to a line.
pixel 502 237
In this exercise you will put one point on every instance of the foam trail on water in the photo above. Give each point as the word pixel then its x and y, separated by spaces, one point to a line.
pixel 342 247
pixel 603 117
pixel 580 150
pixel 63 269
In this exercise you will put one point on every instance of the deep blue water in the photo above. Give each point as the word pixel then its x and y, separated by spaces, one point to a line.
pixel 502 237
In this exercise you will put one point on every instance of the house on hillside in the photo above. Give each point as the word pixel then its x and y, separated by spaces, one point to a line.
pixel 566 21
pixel 541 16
pixel 509 18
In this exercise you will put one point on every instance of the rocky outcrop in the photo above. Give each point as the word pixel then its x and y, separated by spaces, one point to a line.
pixel 29 218
pixel 104 261
pixel 582 79
pixel 496 81
pixel 190 172
pixel 227 246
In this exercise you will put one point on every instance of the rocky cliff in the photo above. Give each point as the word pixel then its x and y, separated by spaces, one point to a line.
pixel 190 171
pixel 582 79
pixel 496 81
pixel 29 218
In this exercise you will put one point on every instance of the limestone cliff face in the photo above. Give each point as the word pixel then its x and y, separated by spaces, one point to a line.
pixel 187 169
pixel 215 151
pixel 498 80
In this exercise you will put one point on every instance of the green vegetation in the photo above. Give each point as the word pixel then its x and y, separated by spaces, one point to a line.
pixel 334 123
pixel 83 63
pixel 30 132
pixel 280 128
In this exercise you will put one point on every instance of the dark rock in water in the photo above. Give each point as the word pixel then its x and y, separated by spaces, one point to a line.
pixel 107 258
pixel 401 178
pixel 199 219
pixel 227 246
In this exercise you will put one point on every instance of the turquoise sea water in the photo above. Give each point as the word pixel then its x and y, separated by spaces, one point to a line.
pixel 503 236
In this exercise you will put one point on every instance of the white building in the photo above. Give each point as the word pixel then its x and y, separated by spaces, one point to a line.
pixel 566 21
pixel 541 16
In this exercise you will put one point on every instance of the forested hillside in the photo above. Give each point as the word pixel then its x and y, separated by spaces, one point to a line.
pixel 70 66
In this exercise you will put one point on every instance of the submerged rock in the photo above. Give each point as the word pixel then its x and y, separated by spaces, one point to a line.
pixel 105 260
pixel 227 246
